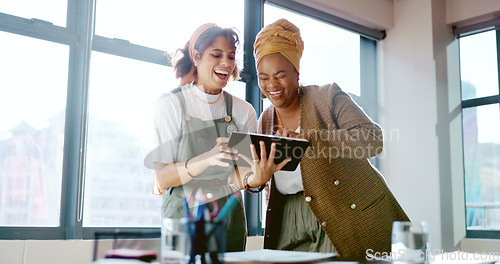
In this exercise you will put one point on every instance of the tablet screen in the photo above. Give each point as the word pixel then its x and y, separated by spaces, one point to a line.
pixel 293 148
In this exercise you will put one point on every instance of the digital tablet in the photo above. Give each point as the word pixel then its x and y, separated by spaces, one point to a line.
pixel 286 147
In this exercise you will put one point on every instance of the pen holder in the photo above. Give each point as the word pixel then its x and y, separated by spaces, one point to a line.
pixel 186 241
pixel 208 242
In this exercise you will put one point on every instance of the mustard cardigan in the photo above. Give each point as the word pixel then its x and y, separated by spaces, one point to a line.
pixel 348 196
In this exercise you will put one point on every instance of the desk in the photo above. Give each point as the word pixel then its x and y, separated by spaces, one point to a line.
pixel 325 261
pixel 332 261
pixel 456 257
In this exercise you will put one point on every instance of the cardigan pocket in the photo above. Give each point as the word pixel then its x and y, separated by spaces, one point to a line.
pixel 375 202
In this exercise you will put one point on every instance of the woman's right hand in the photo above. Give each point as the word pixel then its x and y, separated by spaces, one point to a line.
pixel 219 153
pixel 172 175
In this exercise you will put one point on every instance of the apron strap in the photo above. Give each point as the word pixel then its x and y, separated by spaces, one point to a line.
pixel 229 103
pixel 178 92
pixel 182 129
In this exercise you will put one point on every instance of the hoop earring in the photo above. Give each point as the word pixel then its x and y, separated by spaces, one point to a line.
pixel 299 90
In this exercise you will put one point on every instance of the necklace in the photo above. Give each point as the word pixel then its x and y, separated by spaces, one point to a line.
pixel 206 102
pixel 279 120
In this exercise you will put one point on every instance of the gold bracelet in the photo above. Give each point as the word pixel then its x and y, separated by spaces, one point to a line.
pixel 186 166
pixel 250 189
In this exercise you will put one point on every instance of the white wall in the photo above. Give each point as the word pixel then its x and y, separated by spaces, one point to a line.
pixel 373 13
pixel 408 105
pixel 46 252
pixel 466 11
pixel 380 14
pixel 420 98
pixel 73 251
pixel 448 129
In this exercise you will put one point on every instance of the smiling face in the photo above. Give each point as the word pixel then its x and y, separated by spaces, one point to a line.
pixel 215 66
pixel 278 80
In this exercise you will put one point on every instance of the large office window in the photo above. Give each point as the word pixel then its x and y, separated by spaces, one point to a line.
pixel 32 117
pixel 78 87
pixel 481 132
pixel 331 54
pixel 54 13
pixel 122 93
pixel 115 78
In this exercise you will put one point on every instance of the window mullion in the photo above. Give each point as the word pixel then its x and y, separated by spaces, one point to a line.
pixel 80 21
pixel 253 24
pixel 368 76
pixel 36 28
pixel 475 102
pixel 14 233
pixel 126 49
pixel 498 58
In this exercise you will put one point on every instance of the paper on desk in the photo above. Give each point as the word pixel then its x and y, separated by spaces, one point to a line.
pixel 118 261
pixel 340 262
pixel 277 256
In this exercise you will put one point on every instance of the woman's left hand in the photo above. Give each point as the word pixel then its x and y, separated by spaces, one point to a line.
pixel 263 168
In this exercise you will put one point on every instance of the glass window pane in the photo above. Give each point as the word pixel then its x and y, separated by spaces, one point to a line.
pixel 481 133
pixel 53 11
pixel 165 25
pixel 32 112
pixel 478 65
pixel 236 88
pixel 122 95
pixel 330 54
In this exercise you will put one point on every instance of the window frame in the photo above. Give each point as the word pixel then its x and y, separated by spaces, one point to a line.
pixel 79 36
pixel 474 103
pixel 368 98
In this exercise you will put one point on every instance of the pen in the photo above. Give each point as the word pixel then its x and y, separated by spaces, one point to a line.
pixel 196 195
pixel 199 238
pixel 215 210
pixel 228 206
pixel 189 228
pixel 198 244
pixel 225 211
pixel 186 208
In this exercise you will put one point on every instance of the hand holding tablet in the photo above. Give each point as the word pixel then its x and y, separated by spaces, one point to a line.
pixel 286 147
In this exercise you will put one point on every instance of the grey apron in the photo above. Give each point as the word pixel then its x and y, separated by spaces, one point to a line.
pixel 196 137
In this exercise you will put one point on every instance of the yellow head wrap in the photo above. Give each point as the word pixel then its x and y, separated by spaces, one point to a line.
pixel 279 37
